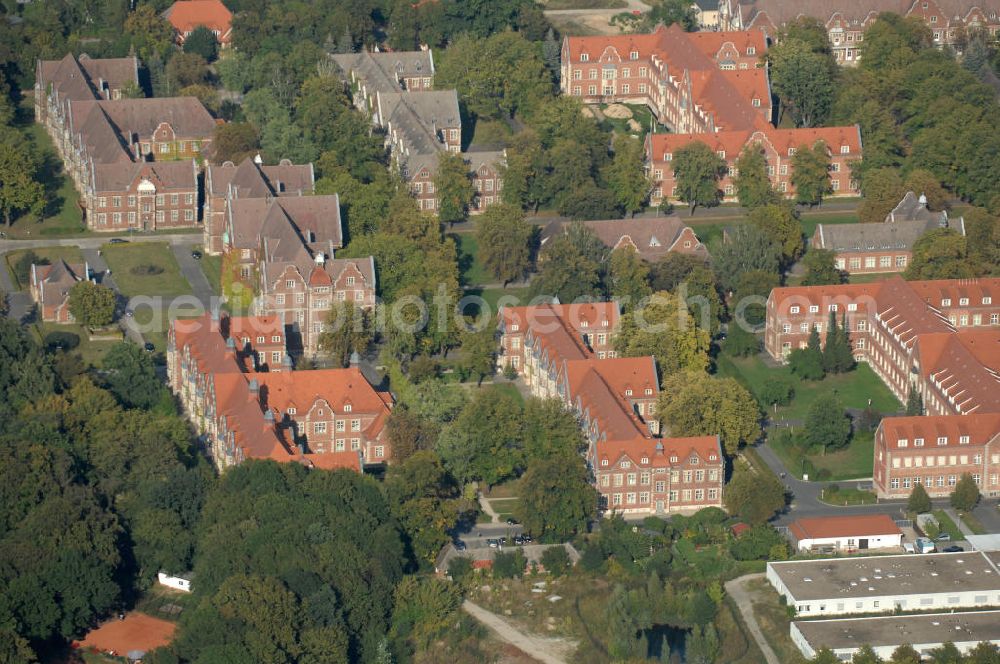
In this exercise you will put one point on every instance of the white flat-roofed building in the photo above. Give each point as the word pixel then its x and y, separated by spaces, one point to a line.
pixel 846 636
pixel 875 584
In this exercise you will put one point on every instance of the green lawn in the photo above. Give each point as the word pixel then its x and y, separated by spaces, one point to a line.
pixel 127 261
pixel 516 296
pixel 948 526
pixel 846 496
pixel 471 270
pixel 68 254
pixel 491 133
pixel 854 388
pixel 505 507
pixel 92 352
pixel 850 463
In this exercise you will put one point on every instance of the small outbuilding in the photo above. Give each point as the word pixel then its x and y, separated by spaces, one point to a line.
pixel 180 582
pixel 846 533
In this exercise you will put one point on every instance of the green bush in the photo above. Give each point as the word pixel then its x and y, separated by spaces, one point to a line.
pixel 592 558
pixel 22 268
pixel 63 340
pixel 555 560
pixel 459 568
pixel 509 565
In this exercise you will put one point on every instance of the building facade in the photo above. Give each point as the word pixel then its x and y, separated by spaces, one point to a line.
pixel 143 196
pixel 697 82
pixel 566 352
pixel 846 22
pixel 50 287
pixel 883 247
pixel 843 147
pixel 846 533
pixel 935 451
pixel 235 380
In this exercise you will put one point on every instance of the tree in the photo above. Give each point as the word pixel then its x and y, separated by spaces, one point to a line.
pixel 702 646
pixel 237 290
pixel 753 186
pixel 629 277
pixel 697 172
pixel 235 141
pixel 131 376
pixel 459 568
pixel 509 565
pixel 484 442
pixel 568 270
pixel 693 403
pixel 348 330
pixel 776 391
pixel 504 240
pixel 807 363
pixel 479 352
pixel 882 189
pixel 941 253
pixel 202 42
pixel 424 498
pixel 866 655
pixel 496 76
pixel 821 268
pixel 186 69
pixel 837 354
pixel 626 174
pixel 557 500
pixel 92 305
pixel 918 502
pixel 914 402
pixel 966 494
pixel 425 608
pixel 925 183
pixel 740 341
pixel 827 425
pixel 754 497
pixel 587 202
pixel 905 654
pixel 802 80
pixel 151 34
pixel 19 191
pixel 556 561
pixel 811 174
pixel 453 186
pixel 747 249
pixel 663 328
pixel 780 223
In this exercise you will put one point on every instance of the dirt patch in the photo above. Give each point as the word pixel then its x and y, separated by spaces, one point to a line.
pixel 136 632
pixel 618 111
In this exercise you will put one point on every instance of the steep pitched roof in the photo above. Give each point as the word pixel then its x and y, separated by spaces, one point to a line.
pixel 652 238
pixel 186 15
pixel 318 215
pixel 249 179
pixel 980 429
pixel 866 525
pixel 164 175
pixel 658 452
pixel 383 71
pixel 417 116
pixel 871 237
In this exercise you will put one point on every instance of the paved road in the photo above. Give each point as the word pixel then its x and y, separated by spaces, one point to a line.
pixel 737 590
pixel 633 5
pixel 94 242
pixel 476 538
pixel 191 269
pixel 544 650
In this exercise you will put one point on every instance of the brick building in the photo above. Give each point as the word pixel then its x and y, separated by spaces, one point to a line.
pixel 883 247
pixel 186 15
pixel 396 91
pixel 653 239
pixel 285 246
pixel 846 20
pixel 50 286
pixel 235 381
pixel 698 82
pixel 941 338
pixel 106 142
pixel 935 451
pixel 566 352
pixel 250 179
pixel 779 146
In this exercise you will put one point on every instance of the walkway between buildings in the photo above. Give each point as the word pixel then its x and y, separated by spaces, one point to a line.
pixel 544 650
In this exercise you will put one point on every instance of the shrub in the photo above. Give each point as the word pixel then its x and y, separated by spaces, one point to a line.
pixel 509 565
pixel 555 560
pixel 592 558
pixel 146 270
pixel 22 268
pixel 459 568
pixel 63 340
pixel 422 368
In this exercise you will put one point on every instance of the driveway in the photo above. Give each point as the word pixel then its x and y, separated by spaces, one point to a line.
pixel 736 589
pixel 191 269
pixel 548 651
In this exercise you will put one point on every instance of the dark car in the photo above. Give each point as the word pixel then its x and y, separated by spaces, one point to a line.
pixel 511 522
pixel 117 240
pixel 952 549
pixel 149 347
pixel 459 545
pixel 196 255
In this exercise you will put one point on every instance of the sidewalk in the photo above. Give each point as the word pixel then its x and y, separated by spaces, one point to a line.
pixel 953 515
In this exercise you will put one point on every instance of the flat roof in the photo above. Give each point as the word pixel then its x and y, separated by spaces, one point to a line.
pixel 989 542
pixel 880 576
pixel 928 628
pixel 869 525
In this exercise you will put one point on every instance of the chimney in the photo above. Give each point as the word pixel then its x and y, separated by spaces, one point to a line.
pixel 355 359
pixel 268 419
pixel 286 362
pixel 320 258
pixel 254 388
pixel 659 449
pixel 923 201
pixel 230 348
pixel 258 160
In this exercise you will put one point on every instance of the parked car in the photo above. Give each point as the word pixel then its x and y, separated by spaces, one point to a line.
pixel 909 548
pixel 196 255
pixel 149 346
pixel 924 545
pixel 117 240
pixel 511 522
pixel 494 544
pixel 459 545
pixel 954 548
pixel 944 537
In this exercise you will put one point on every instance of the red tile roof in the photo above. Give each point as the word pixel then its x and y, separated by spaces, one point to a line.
pixel 186 15
pixel 869 525
pixel 732 142
pixel 658 452
pixel 980 429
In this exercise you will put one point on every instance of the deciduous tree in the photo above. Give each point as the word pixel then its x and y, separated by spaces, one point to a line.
pixel 753 186
pixel 235 141
pixel 202 41
pixel 626 174
pixel 629 277
pixel 821 268
pixel 811 174
pixel 348 329
pixel 131 376
pixel 802 80
pixel 504 240
pixel 827 425
pixel 941 253
pixel 918 502
pixel 453 186
pixel 663 328
pixel 780 223
pixel 966 493
pixel 754 497
pixel 91 304
pixel 19 191
pixel 747 249
pixel 697 172
pixel 557 499
pixel 693 403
